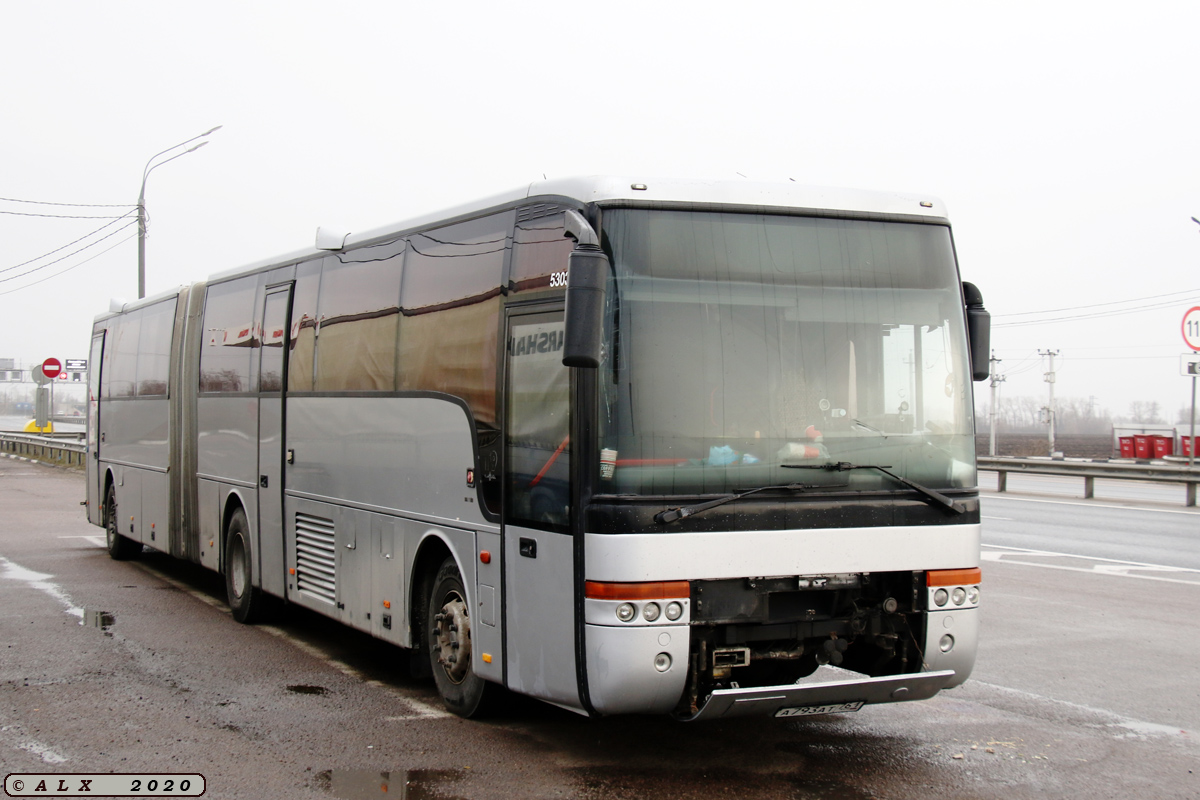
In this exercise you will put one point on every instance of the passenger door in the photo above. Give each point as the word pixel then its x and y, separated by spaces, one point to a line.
pixel 272 382
pixel 94 489
pixel 538 548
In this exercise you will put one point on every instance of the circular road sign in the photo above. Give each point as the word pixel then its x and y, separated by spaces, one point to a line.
pixel 52 366
pixel 1191 327
pixel 38 376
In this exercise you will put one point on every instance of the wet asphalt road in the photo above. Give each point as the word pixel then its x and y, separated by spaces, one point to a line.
pixel 1086 685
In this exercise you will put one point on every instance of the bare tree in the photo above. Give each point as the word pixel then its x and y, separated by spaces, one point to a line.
pixel 1145 412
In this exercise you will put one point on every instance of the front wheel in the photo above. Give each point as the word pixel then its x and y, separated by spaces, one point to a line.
pixel 448 622
pixel 120 548
pixel 245 599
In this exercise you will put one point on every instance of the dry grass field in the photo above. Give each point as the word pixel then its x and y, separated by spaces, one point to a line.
pixel 1038 444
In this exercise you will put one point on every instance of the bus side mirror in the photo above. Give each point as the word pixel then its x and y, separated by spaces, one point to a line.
pixel 979 332
pixel 587 277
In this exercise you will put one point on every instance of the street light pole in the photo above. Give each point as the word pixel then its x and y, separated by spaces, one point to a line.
pixel 1192 421
pixel 1049 378
pixel 141 203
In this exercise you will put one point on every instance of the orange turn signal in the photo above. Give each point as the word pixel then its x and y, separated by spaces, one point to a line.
pixel 650 590
pixel 953 577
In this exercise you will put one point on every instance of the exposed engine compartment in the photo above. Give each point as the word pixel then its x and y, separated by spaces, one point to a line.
pixel 772 631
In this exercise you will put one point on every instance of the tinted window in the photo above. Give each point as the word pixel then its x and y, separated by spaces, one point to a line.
pixel 537 443
pixel 358 311
pixel 740 346
pixel 121 372
pixel 539 251
pixel 229 336
pixel 270 370
pixel 451 302
pixel 154 348
pixel 304 327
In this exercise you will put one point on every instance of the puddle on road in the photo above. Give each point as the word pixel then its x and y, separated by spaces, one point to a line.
pixel 415 784
pixel 99 619
pixel 618 783
pixel 302 688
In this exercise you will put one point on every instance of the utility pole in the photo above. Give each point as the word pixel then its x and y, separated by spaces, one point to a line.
pixel 1049 378
pixel 996 381
pixel 141 203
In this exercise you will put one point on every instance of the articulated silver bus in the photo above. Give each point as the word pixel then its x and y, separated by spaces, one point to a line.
pixel 696 448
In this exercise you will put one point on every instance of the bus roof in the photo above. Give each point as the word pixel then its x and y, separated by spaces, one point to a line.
pixel 631 191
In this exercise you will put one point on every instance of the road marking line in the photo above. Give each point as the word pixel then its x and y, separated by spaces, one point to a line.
pixel 41 751
pixel 1095 572
pixel 1110 567
pixel 1005 496
pixel 92 538
pixel 423 710
pixel 1030 551
pixel 183 587
pixel 40 581
pixel 1120 720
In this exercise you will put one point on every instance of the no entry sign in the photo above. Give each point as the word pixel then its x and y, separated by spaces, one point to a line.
pixel 51 367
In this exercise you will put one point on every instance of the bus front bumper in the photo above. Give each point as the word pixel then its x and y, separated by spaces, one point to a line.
pixel 834 696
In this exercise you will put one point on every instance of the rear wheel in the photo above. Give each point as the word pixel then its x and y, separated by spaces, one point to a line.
pixel 245 599
pixel 120 548
pixel 448 623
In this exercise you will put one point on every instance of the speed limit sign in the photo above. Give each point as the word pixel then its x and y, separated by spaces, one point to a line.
pixel 1191 328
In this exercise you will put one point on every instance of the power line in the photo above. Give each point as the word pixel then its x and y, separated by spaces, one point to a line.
pixel 1099 314
pixel 1097 305
pixel 58 216
pixel 73 266
pixel 65 246
pixel 68 255
pixel 69 205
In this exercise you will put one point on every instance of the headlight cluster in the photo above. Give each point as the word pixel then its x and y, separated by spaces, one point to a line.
pixel 636 603
pixel 628 612
pixel 955 597
pixel 953 588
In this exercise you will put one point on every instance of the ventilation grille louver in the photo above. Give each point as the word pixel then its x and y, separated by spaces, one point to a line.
pixel 539 210
pixel 316 557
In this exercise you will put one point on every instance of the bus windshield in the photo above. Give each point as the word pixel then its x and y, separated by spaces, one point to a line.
pixel 739 346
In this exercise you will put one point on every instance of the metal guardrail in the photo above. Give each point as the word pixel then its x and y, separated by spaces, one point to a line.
pixel 1091 470
pixel 68 450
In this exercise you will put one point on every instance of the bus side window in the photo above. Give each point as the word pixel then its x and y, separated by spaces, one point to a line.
pixel 229 336
pixel 303 335
pixel 120 376
pixel 358 310
pixel 540 252
pixel 450 326
pixel 538 425
pixel 154 351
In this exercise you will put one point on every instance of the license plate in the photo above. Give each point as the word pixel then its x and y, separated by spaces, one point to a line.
pixel 812 711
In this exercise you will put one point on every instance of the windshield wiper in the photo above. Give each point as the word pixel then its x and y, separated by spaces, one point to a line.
pixel 673 514
pixel 842 466
pixel 865 426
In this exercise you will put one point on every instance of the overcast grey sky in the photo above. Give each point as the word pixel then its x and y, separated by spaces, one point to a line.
pixel 1062 137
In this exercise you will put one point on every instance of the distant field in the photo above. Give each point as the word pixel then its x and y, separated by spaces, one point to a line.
pixel 17 424
pixel 1038 444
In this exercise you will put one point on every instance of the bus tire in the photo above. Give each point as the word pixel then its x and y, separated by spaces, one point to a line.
pixel 245 599
pixel 120 548
pixel 448 623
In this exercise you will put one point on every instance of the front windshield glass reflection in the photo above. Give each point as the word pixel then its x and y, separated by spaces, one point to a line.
pixel 740 345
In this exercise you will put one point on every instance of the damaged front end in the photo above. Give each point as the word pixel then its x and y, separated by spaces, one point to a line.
pixel 757 644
